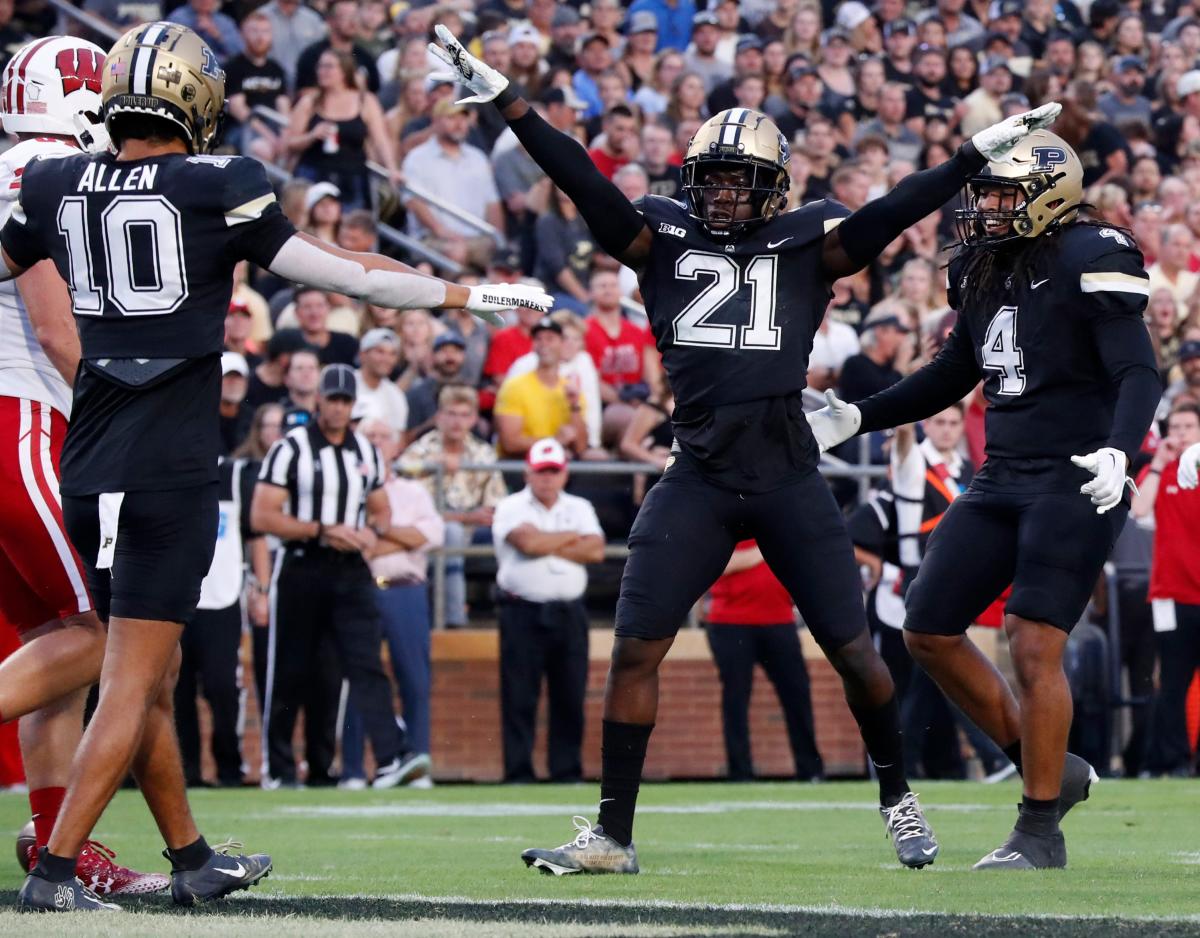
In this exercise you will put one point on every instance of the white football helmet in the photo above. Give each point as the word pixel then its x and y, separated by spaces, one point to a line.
pixel 52 86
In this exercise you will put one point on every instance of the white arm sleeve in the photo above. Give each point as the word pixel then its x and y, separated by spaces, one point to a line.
pixel 304 262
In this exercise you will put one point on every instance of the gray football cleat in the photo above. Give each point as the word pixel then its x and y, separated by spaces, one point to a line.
pixel 1024 851
pixel 592 851
pixel 41 895
pixel 910 832
pixel 220 876
pixel 1077 779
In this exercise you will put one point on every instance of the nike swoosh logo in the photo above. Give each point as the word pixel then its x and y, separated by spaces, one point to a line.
pixel 1008 859
pixel 1038 283
pixel 929 851
pixel 238 870
pixel 771 245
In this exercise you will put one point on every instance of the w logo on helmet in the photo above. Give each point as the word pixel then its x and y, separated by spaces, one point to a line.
pixel 79 68
pixel 1046 158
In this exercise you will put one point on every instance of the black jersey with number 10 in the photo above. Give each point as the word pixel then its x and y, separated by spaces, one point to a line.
pixel 147 248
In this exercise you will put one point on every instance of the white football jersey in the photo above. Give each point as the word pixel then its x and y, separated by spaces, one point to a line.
pixel 25 370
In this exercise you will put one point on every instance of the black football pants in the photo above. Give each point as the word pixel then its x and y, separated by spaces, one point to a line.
pixel 210 646
pixel 319 595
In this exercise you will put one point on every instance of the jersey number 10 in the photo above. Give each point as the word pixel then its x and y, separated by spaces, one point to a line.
pixel 691 325
pixel 143 256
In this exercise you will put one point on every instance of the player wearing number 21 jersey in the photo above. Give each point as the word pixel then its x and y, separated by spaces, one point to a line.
pixel 146 239
pixel 735 289
pixel 1050 319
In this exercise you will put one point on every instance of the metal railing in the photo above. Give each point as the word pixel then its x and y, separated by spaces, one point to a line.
pixel 94 23
pixel 829 468
pixel 418 192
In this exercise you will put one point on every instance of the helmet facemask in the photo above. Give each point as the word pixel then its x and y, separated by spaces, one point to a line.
pixel 1010 218
pixel 764 189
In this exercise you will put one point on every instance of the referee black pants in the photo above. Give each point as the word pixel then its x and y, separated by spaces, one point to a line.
pixel 539 640
pixel 210 646
pixel 318 595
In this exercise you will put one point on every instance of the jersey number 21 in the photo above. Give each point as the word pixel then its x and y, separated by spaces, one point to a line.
pixel 725 279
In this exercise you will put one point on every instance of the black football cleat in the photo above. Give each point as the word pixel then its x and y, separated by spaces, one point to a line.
pixel 220 876
pixel 1077 779
pixel 910 832
pixel 41 895
pixel 1023 851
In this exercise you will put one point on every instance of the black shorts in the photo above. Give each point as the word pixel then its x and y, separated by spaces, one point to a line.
pixel 686 531
pixel 1050 547
pixel 145 553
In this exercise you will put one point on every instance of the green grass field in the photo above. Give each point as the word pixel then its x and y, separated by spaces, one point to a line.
pixel 744 860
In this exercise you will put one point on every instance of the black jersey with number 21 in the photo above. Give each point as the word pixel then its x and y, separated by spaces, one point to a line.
pixel 147 248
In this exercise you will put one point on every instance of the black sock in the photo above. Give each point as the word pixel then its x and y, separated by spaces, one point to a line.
pixel 880 728
pixel 191 857
pixel 622 753
pixel 1013 751
pixel 1038 817
pixel 54 869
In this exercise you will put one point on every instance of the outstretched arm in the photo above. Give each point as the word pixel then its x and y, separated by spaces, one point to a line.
pixel 860 238
pixel 385 282
pixel 617 226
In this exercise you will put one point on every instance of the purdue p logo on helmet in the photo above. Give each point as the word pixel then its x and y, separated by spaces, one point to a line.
pixel 1041 182
pixel 166 71
pixel 738 138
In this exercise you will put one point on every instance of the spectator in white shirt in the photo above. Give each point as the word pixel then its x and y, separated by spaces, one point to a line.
pixel 833 343
pixel 378 354
pixel 544 537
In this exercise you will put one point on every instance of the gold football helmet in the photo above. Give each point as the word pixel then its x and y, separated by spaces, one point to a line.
pixel 165 70
pixel 734 139
pixel 1041 187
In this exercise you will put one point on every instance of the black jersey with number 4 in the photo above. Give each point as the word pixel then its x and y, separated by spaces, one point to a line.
pixel 1051 350
pixel 735 324
pixel 147 248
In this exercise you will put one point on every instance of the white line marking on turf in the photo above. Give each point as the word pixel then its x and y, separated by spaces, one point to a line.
pixel 504 809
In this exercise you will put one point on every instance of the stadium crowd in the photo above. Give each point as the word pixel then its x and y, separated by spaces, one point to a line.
pixel 344 99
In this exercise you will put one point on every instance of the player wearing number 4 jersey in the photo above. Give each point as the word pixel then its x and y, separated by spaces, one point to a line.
pixel 1050 318
pixel 735 291
pixel 147 240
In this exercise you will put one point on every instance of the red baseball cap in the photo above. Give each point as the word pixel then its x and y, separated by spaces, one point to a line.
pixel 546 454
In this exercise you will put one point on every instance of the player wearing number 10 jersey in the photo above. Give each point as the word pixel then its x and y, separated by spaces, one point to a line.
pixel 147 239
pixel 1050 319
pixel 735 290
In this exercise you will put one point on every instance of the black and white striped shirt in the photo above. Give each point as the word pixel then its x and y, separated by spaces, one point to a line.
pixel 325 483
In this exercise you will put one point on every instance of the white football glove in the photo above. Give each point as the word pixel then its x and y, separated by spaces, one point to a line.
pixel 488 300
pixel 834 423
pixel 997 141
pixel 1108 465
pixel 484 80
pixel 1189 464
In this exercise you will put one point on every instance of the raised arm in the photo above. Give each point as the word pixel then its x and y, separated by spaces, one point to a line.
pixel 617 226
pixel 858 240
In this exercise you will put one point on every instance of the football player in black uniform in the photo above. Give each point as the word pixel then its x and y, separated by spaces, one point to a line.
pixel 147 240
pixel 1050 319
pixel 735 290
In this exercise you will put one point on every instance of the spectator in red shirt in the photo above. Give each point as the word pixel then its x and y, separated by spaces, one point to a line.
pixel 508 344
pixel 625 356
pixel 1174 589
pixel 751 621
pixel 619 143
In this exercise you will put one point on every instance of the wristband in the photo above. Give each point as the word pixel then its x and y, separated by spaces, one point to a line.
pixel 505 97
pixel 320 531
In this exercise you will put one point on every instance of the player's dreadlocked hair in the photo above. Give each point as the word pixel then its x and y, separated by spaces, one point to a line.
pixel 986 270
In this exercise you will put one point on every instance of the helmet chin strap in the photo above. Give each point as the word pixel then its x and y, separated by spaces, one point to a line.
pixel 92 137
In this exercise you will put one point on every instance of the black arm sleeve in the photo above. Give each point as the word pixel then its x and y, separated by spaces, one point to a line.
pixel 946 380
pixel 611 217
pixel 1124 346
pixel 874 226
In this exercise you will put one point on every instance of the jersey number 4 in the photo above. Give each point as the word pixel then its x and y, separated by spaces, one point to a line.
pixel 144 272
pixel 1001 353
pixel 692 326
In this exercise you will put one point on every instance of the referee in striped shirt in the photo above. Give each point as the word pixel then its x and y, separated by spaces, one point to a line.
pixel 319 486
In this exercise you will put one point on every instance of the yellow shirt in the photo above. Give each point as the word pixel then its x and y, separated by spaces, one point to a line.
pixel 543 410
